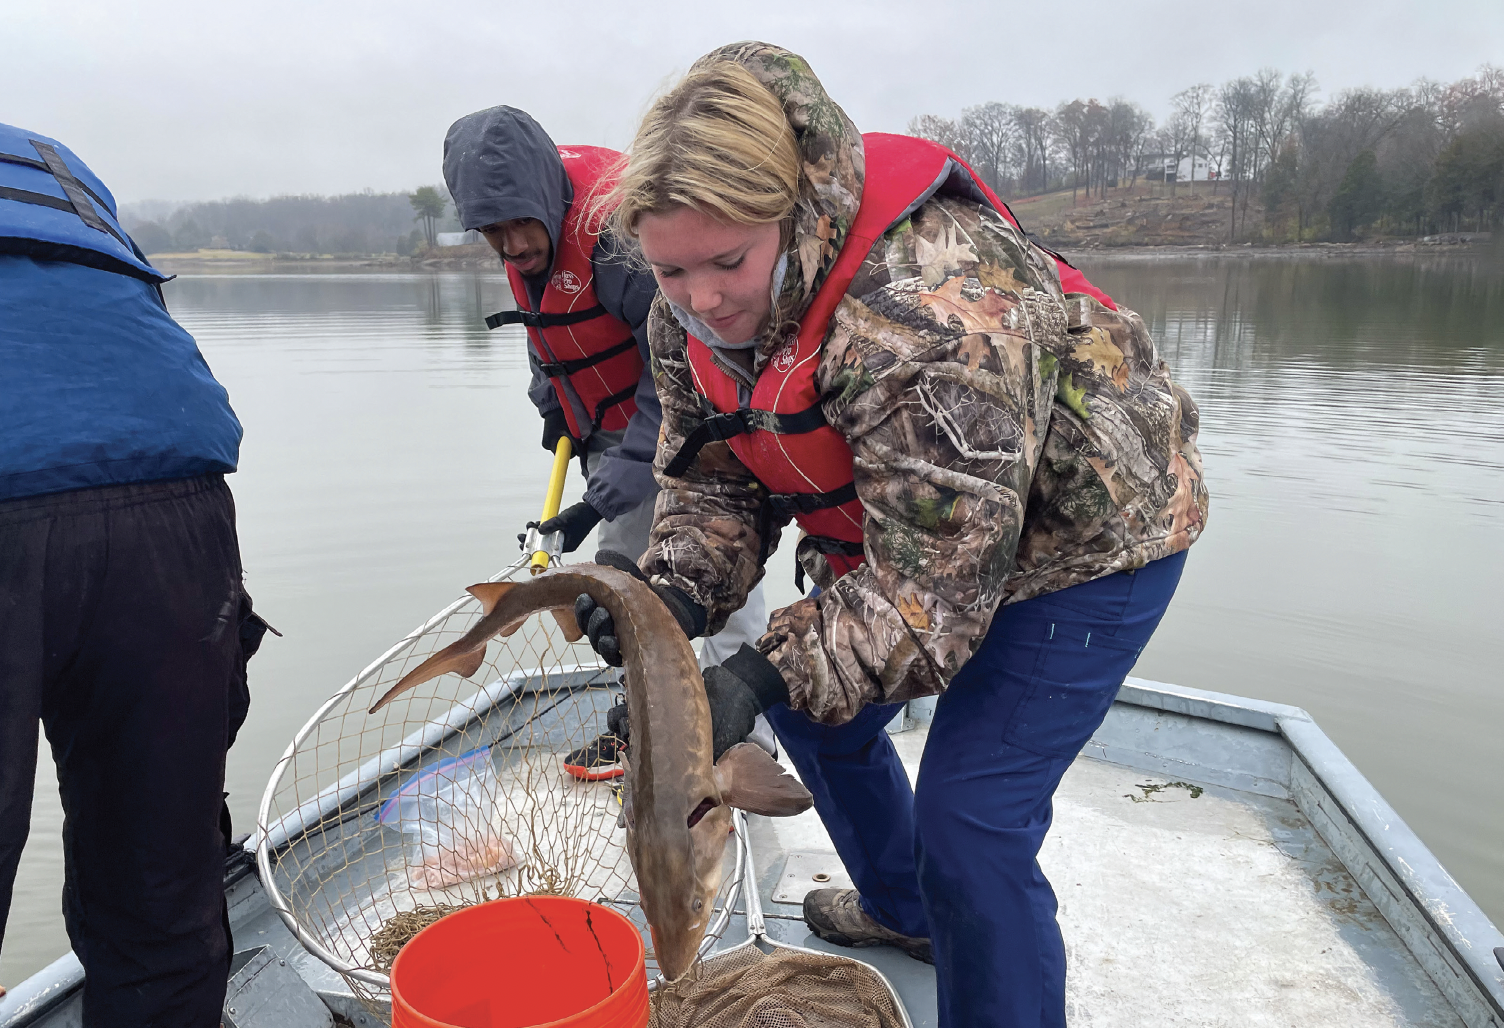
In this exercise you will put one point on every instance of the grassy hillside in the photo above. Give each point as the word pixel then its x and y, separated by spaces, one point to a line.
pixel 1140 215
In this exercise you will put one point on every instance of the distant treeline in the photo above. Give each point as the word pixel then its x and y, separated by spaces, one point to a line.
pixel 1424 159
pixel 1407 161
pixel 357 223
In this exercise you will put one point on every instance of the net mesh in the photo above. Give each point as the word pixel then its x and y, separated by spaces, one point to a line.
pixel 351 850
pixel 788 988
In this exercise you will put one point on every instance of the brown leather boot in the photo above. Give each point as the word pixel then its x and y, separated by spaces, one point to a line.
pixel 836 915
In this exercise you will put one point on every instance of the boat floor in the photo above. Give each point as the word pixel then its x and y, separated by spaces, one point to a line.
pixel 1181 903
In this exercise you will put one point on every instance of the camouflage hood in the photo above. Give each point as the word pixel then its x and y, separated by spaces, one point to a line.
pixel 830 188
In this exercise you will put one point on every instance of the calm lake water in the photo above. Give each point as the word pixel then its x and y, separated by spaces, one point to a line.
pixel 1353 429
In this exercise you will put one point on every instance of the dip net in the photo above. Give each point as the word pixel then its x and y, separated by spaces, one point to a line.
pixel 747 988
pixel 374 825
pixel 764 984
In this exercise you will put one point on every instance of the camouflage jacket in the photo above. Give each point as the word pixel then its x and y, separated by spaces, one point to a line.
pixel 1008 440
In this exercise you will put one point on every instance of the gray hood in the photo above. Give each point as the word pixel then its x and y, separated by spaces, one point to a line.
pixel 499 164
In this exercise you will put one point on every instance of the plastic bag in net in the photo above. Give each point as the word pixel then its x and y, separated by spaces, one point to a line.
pixel 446 815
pixel 747 988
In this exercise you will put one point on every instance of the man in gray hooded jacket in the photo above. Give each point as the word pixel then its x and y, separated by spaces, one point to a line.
pixel 509 183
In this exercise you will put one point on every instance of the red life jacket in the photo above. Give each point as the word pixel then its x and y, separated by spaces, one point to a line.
pixel 781 435
pixel 583 350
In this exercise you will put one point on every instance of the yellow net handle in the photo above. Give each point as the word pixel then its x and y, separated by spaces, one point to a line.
pixel 562 453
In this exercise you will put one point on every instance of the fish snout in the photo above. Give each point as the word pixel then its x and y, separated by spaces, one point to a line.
pixel 676 947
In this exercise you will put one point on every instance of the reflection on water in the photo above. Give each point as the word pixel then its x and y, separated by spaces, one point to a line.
pixel 1353 428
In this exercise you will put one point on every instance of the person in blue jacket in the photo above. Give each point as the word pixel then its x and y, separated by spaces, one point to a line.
pixel 124 624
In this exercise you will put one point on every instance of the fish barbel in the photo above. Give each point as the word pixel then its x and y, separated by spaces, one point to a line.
pixel 678 800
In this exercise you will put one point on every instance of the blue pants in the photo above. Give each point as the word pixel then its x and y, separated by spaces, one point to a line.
pixel 954 859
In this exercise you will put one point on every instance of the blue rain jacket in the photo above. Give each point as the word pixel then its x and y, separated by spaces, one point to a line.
pixel 98 384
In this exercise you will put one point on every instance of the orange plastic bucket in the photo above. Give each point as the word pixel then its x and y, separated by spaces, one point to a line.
pixel 519 963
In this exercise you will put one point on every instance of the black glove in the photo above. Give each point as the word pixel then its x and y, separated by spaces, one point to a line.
pixel 595 620
pixel 575 522
pixel 618 724
pixel 555 427
pixel 738 690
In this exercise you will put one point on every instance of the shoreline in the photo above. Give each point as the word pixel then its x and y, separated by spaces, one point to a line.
pixel 236 262
pixel 1282 251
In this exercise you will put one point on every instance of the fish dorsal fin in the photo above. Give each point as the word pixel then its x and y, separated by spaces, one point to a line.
pixel 753 781
pixel 490 593
pixel 567 624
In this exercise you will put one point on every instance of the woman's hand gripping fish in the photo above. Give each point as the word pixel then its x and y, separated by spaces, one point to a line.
pixel 678 809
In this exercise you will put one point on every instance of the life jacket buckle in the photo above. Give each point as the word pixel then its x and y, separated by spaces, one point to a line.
pixel 790 504
pixel 733 423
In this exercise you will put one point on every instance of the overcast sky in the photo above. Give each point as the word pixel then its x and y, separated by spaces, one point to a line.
pixel 187 99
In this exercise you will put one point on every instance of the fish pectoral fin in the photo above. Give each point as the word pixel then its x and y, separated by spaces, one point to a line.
pixel 461 662
pixel 567 624
pixel 753 781
pixel 490 593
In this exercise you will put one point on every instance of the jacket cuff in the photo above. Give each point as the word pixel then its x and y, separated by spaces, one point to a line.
pixel 760 675
pixel 690 615
pixel 620 484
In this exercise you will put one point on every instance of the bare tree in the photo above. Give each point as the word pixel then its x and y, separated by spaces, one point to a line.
pixel 1235 111
pixel 1034 136
pixel 1071 132
pixel 1176 140
pixel 990 132
pixel 1078 126
pixel 1128 125
pixel 1192 105
pixel 945 131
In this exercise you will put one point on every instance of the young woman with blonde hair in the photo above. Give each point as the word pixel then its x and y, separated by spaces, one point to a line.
pixel 996 479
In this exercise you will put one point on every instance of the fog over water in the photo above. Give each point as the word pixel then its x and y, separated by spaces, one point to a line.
pixel 1353 430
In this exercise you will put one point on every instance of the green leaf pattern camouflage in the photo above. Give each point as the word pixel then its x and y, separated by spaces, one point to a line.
pixel 1008 441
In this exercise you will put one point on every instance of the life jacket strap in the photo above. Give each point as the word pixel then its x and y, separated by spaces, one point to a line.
pixel 822 544
pixel 720 427
pixel 611 401
pixel 563 369
pixel 827 544
pixel 787 505
pixel 77 193
pixel 790 504
pixel 533 319
pixel 73 188
pixel 30 162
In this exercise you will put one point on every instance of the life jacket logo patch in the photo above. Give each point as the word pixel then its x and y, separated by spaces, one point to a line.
pixel 566 282
pixel 783 360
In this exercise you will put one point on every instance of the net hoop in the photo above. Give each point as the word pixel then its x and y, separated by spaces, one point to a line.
pixel 306 821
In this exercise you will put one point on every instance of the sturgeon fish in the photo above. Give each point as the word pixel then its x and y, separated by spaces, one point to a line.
pixel 677 804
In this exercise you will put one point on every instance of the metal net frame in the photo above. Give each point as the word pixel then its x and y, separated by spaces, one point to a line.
pixel 346 847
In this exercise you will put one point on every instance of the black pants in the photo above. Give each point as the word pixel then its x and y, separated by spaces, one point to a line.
pixel 120 616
